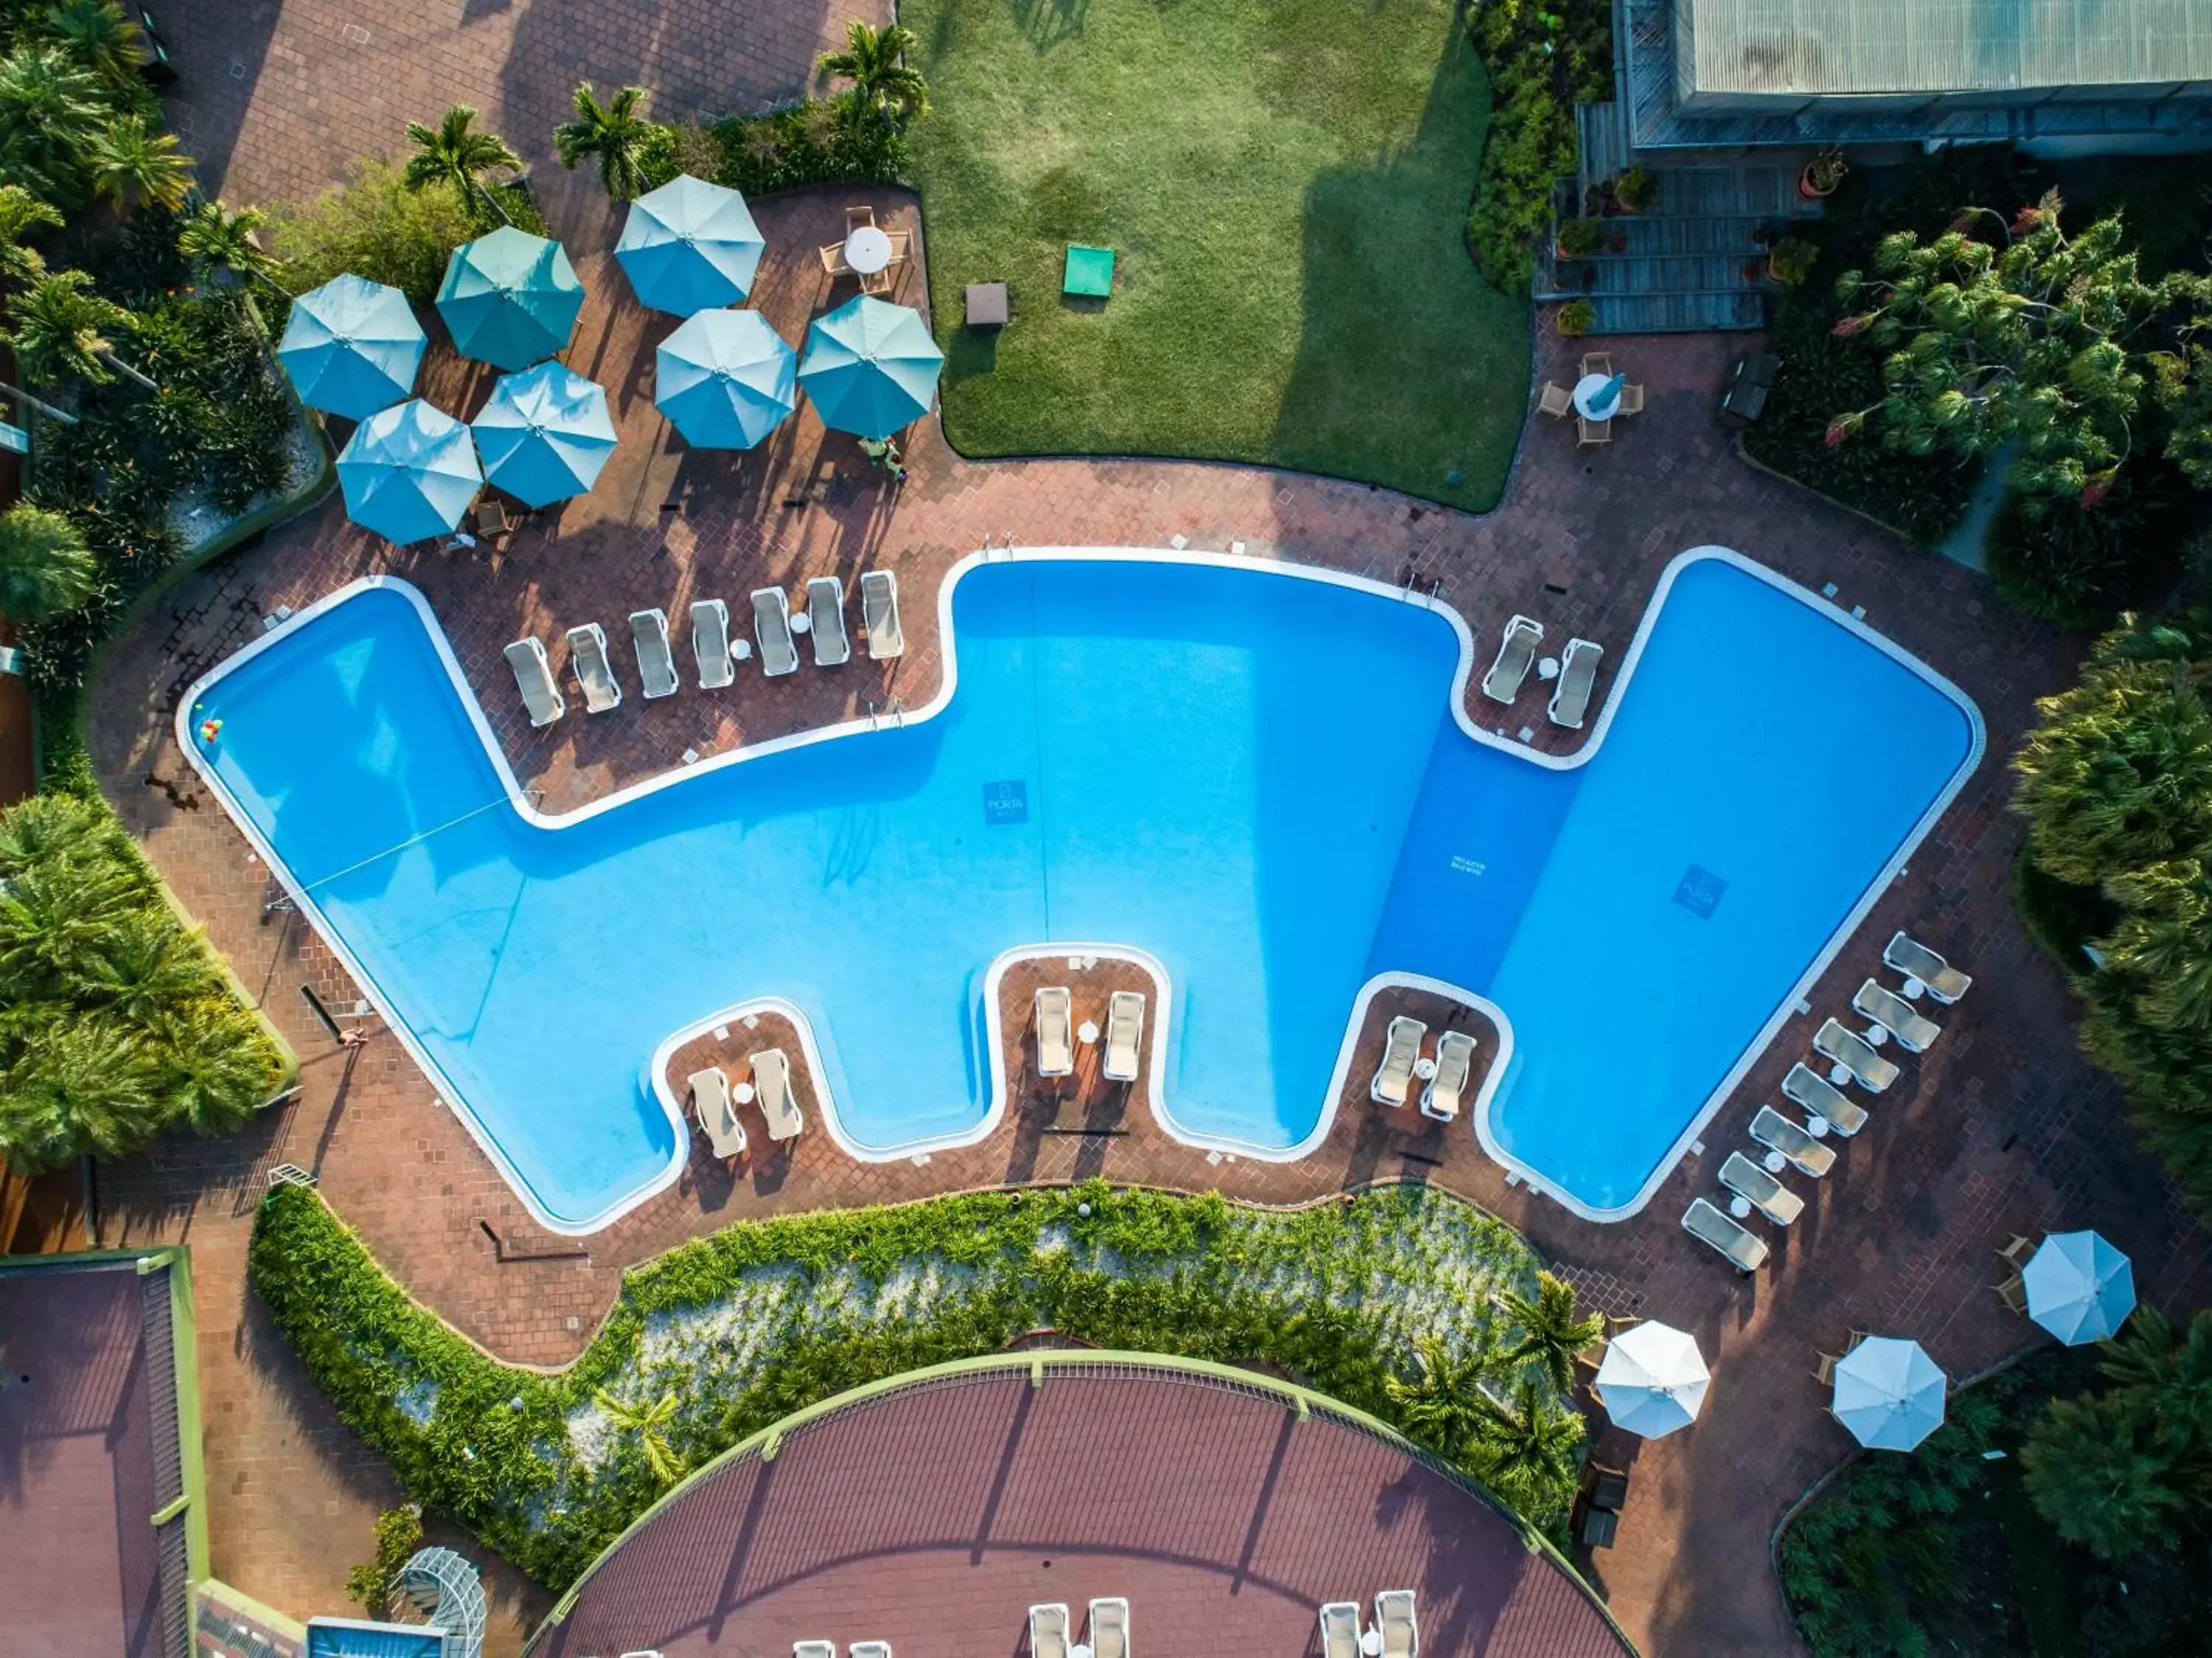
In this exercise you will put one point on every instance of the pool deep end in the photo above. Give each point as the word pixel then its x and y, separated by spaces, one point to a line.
pixel 1257 773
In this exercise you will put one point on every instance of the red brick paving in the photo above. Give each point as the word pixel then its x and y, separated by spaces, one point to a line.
pixel 1222 1517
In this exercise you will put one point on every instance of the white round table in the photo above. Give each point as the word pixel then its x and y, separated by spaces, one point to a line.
pixel 867 250
pixel 1775 1162
pixel 1817 1126
pixel 742 649
pixel 802 622
pixel 1087 1032
pixel 1586 388
pixel 1914 990
pixel 744 1093
pixel 1371 1643
pixel 1425 1068
pixel 1741 1208
pixel 1876 1035
pixel 1547 668
pixel 1840 1074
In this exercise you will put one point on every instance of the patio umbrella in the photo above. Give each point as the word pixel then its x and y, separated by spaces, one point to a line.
pixel 689 246
pixel 2079 1287
pixel 725 379
pixel 1888 1393
pixel 871 367
pixel 1652 1380
pixel 352 346
pixel 544 435
pixel 510 298
pixel 409 473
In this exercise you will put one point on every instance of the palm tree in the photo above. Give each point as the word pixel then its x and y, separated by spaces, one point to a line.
pixel 61 328
pixel 216 239
pixel 98 36
pixel 50 113
pixel 453 152
pixel 132 161
pixel 82 1085
pixel 616 133
pixel 51 828
pixel 1527 1454
pixel 45 568
pixel 1551 1334
pixel 648 1422
pixel 214 1069
pixel 874 62
pixel 142 966
pixel 22 214
pixel 53 914
pixel 2100 1472
pixel 1442 1404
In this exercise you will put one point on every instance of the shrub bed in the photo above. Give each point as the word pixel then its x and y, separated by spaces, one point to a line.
pixel 744 1328
pixel 1540 64
pixel 376 227
pixel 821 141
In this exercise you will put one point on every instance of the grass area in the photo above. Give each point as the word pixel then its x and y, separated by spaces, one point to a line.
pixel 1286 184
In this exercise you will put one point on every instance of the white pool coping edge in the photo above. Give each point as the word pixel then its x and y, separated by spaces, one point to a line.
pixel 680 1158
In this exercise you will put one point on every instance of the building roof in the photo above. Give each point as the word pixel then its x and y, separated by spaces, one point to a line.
pixel 1806 47
pixel 934 1514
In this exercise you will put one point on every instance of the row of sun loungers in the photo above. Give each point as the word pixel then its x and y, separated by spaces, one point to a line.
pixel 828 1649
pixel 1055 1033
pixel 711 1098
pixel 1395 1625
pixel 710 645
pixel 1571 691
pixel 1051 1630
pixel 1401 1051
pixel 1856 1057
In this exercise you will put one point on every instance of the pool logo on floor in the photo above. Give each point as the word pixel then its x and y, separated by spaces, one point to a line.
pixel 1699 892
pixel 1006 802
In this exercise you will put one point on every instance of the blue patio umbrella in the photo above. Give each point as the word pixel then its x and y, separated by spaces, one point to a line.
pixel 409 473
pixel 1603 400
pixel 352 346
pixel 725 379
pixel 544 435
pixel 2079 1287
pixel 510 298
pixel 1889 1393
pixel 871 367
pixel 689 246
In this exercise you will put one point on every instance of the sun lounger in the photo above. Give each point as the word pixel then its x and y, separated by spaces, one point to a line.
pixel 710 643
pixel 1913 1030
pixel 862 1650
pixel 718 1118
pixel 1125 1027
pixel 656 662
pixel 813 1649
pixel 825 621
pixel 879 614
pixel 1394 1076
pixel 1049 1629
pixel 1340 1630
pixel 1054 1039
pixel 1517 652
pixel 587 654
pixel 1109 1628
pixel 1773 1199
pixel 772 627
pixel 1454 1059
pixel 1571 696
pixel 1822 1098
pixel 1916 960
pixel 1856 1054
pixel 1778 1133
pixel 1393 1621
pixel 772 1091
pixel 533 677
pixel 1711 1226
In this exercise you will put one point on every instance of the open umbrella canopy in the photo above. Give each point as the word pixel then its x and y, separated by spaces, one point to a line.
pixel 1652 1380
pixel 689 246
pixel 409 473
pixel 510 298
pixel 352 346
pixel 2079 1287
pixel 544 435
pixel 725 379
pixel 1889 1393
pixel 871 367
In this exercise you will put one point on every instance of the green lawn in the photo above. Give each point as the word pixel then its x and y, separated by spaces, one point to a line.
pixel 1285 185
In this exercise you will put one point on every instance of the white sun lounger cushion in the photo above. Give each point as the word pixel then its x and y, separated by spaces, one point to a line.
pixel 533 677
pixel 880 613
pixel 718 1118
pixel 1711 1226
pixel 1125 1030
pixel 1109 1628
pixel 1393 1621
pixel 772 627
pixel 1571 696
pixel 813 1649
pixel 772 1090
pixel 1916 960
pixel 1401 1046
pixel 1808 1087
pixel 1454 1059
pixel 1340 1630
pixel 1516 652
pixel 1055 1035
pixel 1778 1133
pixel 825 622
pixel 710 643
pixel 872 1649
pixel 656 661
pixel 587 654
pixel 1914 1031
pixel 1049 1629
pixel 1773 1199
pixel 1856 1054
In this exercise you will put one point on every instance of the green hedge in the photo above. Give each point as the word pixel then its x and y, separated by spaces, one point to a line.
pixel 1540 63
pixel 818 141
pixel 750 1324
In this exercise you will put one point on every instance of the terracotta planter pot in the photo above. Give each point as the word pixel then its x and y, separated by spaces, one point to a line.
pixel 1808 190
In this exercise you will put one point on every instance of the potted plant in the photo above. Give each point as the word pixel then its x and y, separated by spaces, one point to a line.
pixel 1821 175
pixel 1636 189
pixel 1791 260
pixel 1577 316
pixel 1579 238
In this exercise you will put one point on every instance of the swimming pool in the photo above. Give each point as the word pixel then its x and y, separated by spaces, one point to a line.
pixel 1252 774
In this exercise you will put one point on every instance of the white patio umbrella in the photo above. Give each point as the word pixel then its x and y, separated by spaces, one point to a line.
pixel 1652 1380
pixel 1889 1393
pixel 2079 1287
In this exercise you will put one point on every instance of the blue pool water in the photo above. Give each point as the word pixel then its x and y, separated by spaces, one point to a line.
pixel 1253 777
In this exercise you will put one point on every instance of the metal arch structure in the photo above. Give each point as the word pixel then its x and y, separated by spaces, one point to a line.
pixel 447 1589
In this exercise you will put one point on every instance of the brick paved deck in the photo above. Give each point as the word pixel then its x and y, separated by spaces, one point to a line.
pixel 1224 1519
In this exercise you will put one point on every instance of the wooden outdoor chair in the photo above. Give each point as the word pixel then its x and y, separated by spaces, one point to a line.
pixel 1824 1371
pixel 2015 1254
pixel 491 517
pixel 2013 1292
pixel 880 283
pixel 1589 431
pixel 1556 401
pixel 1631 400
pixel 1597 362
pixel 858 218
pixel 833 260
